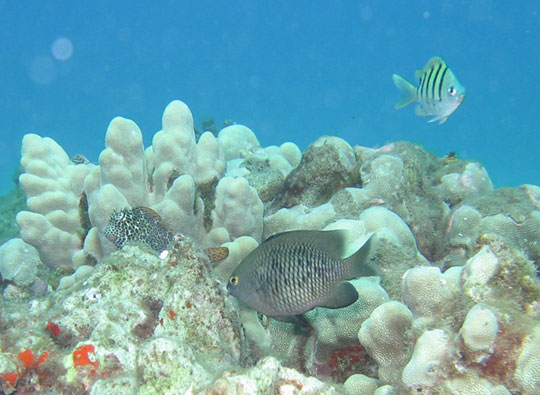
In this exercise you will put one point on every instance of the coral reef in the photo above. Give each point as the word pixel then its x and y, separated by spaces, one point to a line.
pixel 18 262
pixel 456 343
pixel 480 328
pixel 269 377
pixel 512 213
pixel 117 283
pixel 70 204
pixel 528 364
pixel 10 205
pixel 326 167
pixel 384 336
pixel 132 322
pixel 53 186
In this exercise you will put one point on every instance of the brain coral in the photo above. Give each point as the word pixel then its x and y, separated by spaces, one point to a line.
pixel 18 262
pixel 528 364
pixel 384 336
pixel 480 328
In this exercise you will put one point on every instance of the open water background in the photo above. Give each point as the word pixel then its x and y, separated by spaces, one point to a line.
pixel 290 70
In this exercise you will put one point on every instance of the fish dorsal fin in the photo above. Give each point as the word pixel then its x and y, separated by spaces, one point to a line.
pixel 344 294
pixel 149 213
pixel 433 62
pixel 331 241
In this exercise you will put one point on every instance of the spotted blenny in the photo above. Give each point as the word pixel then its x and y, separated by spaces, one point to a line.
pixel 140 224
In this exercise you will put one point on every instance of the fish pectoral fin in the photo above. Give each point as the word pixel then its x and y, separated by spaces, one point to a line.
pixel 343 295
pixel 408 91
pixel 298 320
pixel 441 119
pixel 421 112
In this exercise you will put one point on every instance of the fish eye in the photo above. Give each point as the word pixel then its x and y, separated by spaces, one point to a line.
pixel 233 280
pixel 452 91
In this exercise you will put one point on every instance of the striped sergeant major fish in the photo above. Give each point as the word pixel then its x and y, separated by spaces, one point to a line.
pixel 438 93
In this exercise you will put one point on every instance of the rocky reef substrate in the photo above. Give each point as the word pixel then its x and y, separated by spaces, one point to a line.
pixel 456 309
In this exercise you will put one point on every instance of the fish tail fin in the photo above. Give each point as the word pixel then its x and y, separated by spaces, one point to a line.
pixel 360 263
pixel 408 91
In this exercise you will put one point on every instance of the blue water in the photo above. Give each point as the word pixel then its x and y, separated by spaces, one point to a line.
pixel 290 70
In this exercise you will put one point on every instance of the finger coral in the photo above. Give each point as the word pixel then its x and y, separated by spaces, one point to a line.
pixel 178 178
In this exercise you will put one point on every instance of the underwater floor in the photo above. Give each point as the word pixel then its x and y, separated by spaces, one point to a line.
pixel 114 274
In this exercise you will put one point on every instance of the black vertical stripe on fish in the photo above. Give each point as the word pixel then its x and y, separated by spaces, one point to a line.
pixel 422 83
pixel 424 78
pixel 435 81
pixel 421 86
pixel 441 84
pixel 428 84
